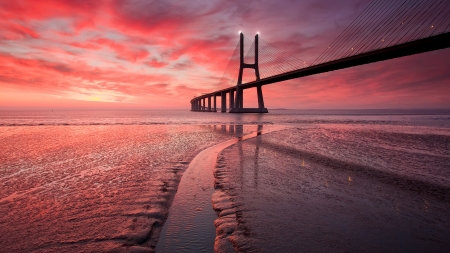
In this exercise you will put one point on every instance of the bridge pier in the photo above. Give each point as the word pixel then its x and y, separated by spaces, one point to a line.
pixel 260 97
pixel 231 99
pixel 209 103
pixel 215 105
pixel 224 101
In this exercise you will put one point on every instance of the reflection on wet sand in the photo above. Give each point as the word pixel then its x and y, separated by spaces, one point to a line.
pixel 256 159
pixel 238 131
pixel 190 225
pixel 303 196
pixel 403 182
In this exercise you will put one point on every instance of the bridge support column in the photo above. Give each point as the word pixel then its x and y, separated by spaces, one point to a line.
pixel 260 98
pixel 215 104
pixel 198 105
pixel 241 98
pixel 224 102
pixel 231 99
pixel 239 103
pixel 209 103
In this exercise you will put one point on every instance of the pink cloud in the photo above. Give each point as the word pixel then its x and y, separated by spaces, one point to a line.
pixel 123 51
pixel 15 31
pixel 57 78
pixel 133 49
pixel 156 64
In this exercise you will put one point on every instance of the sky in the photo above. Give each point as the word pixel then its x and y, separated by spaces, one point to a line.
pixel 145 54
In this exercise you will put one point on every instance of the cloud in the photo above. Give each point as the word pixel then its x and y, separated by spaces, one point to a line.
pixel 156 64
pixel 123 51
pixel 57 78
pixel 134 50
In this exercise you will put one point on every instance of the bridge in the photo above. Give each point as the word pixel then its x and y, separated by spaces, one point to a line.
pixel 384 30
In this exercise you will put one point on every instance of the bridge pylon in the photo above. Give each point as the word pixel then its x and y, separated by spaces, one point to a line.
pixel 238 106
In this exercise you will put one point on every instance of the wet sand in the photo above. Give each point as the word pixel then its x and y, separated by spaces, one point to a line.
pixel 314 188
pixel 335 188
pixel 92 188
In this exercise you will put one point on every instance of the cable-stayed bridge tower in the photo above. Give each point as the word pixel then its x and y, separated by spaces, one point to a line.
pixel 238 106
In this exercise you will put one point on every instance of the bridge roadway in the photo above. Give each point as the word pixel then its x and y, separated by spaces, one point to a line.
pixel 432 43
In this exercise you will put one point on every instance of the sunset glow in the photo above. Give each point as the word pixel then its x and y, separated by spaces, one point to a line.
pixel 224 126
pixel 159 54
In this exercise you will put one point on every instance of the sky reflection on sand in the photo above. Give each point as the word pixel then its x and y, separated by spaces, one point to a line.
pixel 83 188
pixel 323 189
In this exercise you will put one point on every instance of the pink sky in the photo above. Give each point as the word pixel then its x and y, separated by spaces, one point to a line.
pixel 160 54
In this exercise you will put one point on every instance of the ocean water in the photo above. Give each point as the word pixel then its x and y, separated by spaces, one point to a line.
pixel 431 118
pixel 352 180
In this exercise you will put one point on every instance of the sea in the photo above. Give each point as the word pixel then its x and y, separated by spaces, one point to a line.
pixel 289 181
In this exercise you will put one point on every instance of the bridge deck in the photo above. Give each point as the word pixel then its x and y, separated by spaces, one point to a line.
pixel 436 42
